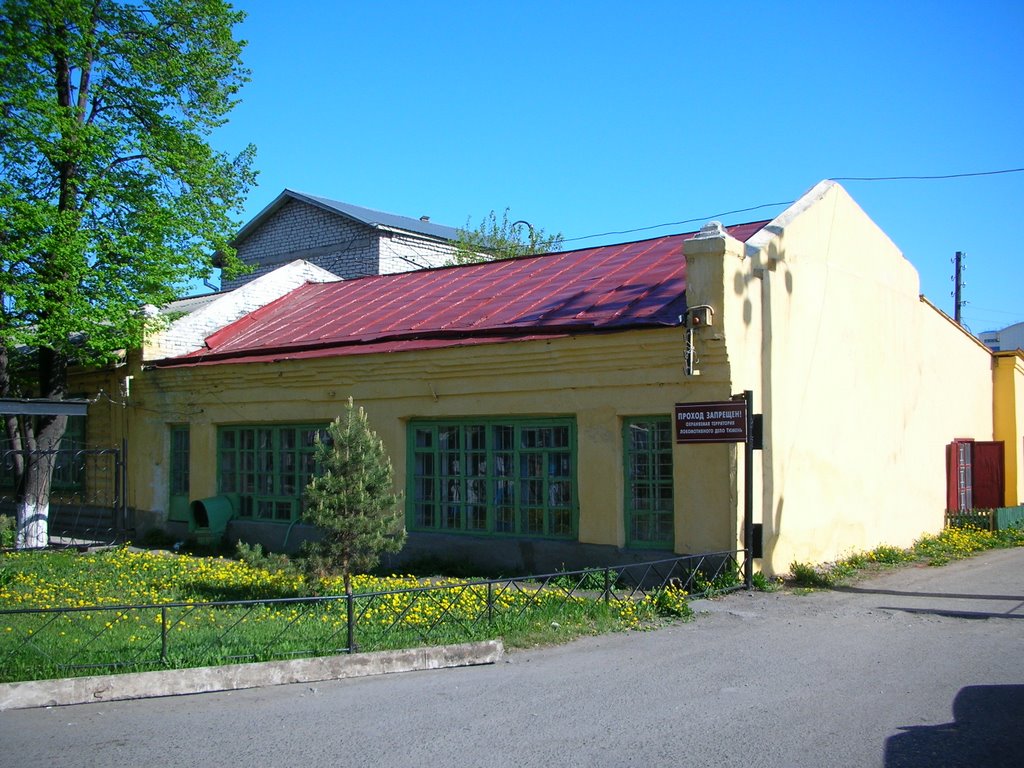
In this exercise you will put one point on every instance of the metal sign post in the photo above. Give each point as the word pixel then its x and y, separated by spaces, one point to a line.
pixel 748 490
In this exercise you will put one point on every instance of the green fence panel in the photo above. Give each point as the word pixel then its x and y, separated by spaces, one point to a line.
pixel 1008 517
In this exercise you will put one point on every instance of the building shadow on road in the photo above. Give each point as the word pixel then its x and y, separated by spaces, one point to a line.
pixel 908 593
pixel 986 730
pixel 1012 613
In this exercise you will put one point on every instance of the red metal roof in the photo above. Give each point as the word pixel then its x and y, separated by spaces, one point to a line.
pixel 610 287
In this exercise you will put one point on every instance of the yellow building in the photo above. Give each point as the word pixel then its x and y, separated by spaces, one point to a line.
pixel 528 405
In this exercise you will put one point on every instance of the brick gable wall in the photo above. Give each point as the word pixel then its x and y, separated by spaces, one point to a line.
pixel 301 231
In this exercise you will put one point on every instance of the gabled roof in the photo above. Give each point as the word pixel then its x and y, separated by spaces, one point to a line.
pixel 612 287
pixel 375 219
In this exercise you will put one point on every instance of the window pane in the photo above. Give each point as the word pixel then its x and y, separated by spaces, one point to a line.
pixel 504 438
pixel 561 522
pixel 287 439
pixel 505 520
pixel 476 491
pixel 535 521
pixel 476 438
pixel 481 472
pixel 273 463
pixel 503 464
pixel 477 518
pixel 663 436
pixel 424 490
pixel 504 493
pixel 424 515
pixel 424 464
pixel 649 470
pixel 452 517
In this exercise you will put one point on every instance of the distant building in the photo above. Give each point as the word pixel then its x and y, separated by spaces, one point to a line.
pixel 1008 339
pixel 347 240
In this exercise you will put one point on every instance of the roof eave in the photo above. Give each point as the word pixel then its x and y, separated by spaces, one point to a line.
pixel 500 334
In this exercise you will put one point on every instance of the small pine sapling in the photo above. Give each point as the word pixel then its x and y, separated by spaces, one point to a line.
pixel 352 500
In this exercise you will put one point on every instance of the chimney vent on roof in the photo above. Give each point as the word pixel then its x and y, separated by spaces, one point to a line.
pixel 424 218
pixel 710 230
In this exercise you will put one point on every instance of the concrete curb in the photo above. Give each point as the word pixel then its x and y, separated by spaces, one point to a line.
pixel 231 677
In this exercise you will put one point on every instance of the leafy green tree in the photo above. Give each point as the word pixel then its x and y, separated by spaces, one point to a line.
pixel 352 500
pixel 110 193
pixel 497 239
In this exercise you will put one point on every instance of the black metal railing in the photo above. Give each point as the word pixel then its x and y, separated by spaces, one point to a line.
pixel 37 643
pixel 87 499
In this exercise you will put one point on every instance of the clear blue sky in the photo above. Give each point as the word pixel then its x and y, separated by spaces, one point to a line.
pixel 586 117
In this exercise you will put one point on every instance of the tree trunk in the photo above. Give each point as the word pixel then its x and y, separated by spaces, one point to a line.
pixel 34 501
pixel 40 438
pixel 38 461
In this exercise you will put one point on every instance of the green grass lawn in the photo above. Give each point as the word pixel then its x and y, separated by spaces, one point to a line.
pixel 130 610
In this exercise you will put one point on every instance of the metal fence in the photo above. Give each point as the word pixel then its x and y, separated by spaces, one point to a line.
pixel 57 642
pixel 87 499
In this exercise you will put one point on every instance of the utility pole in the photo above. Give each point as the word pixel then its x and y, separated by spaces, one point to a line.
pixel 958 286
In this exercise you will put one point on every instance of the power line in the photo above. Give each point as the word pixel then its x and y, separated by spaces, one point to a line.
pixel 677 223
pixel 996 311
pixel 926 178
pixel 790 202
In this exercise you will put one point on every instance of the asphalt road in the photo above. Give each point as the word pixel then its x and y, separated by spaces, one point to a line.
pixel 917 667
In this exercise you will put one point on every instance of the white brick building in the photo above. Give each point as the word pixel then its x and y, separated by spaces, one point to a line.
pixel 346 240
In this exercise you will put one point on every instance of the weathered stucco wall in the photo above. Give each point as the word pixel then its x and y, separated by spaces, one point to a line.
pixel 598 379
pixel 863 384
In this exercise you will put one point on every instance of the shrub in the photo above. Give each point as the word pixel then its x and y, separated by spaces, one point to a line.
pixel 6 531
pixel 272 562
pixel 671 602
pixel 763 583
pixel 805 575
pixel 888 555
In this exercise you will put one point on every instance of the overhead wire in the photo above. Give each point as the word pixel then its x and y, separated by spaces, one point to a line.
pixel 790 202
pixel 677 223
pixel 926 178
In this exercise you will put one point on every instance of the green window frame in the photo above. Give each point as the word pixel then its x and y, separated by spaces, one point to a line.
pixel 500 477
pixel 179 460
pixel 269 467
pixel 649 503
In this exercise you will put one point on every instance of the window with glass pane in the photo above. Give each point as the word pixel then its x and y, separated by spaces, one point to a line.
pixel 493 477
pixel 179 461
pixel 269 468
pixel 649 501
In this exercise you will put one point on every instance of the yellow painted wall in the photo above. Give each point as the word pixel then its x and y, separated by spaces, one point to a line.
pixel 601 379
pixel 863 383
pixel 1008 416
